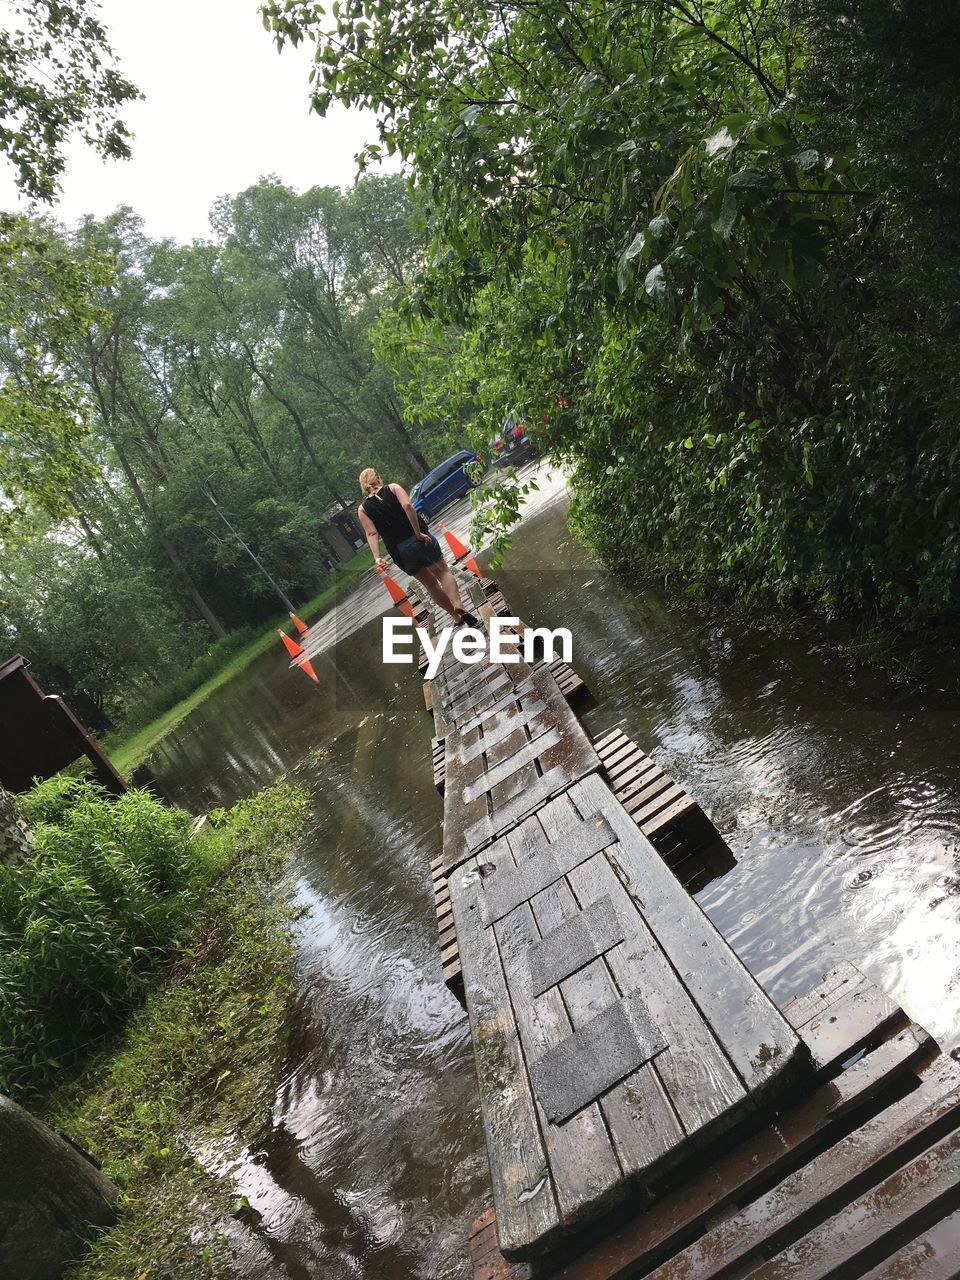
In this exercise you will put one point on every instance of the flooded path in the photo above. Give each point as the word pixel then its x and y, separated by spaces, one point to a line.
pixel 839 795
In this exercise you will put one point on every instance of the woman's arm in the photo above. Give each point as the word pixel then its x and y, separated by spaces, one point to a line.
pixel 400 493
pixel 373 538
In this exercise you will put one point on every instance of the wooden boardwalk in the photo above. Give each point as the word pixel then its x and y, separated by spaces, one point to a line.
pixel 647 1109
pixel 858 1176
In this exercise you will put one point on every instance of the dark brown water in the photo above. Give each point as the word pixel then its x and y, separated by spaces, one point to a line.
pixel 839 794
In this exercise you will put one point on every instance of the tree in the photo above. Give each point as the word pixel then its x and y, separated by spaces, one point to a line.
pixel 45 299
pixel 52 1199
pixel 57 79
pixel 659 226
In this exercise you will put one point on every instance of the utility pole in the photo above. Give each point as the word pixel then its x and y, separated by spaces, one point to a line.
pixel 208 494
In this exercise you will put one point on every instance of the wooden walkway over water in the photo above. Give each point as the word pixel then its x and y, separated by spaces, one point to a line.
pixel 648 1110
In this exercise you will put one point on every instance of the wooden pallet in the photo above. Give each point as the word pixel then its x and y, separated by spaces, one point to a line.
pixel 570 684
pixel 449 951
pixel 859 1177
pixel 687 841
pixel 665 812
pixel 439 763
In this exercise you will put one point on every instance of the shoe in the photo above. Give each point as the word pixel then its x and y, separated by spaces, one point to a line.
pixel 467 619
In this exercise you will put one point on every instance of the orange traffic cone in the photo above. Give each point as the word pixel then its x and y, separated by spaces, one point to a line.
pixel 299 624
pixel 295 651
pixel 460 551
pixel 397 595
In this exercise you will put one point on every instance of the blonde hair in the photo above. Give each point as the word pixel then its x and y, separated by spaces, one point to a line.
pixel 370 480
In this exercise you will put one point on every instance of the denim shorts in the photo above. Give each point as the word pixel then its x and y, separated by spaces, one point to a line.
pixel 414 555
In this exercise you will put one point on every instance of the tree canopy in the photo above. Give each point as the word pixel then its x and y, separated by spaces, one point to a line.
pixel 240 369
pixel 57 80
pixel 710 246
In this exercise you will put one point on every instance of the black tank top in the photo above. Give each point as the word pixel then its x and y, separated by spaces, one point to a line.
pixel 389 518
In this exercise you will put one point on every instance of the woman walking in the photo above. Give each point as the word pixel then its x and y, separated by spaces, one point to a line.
pixel 386 512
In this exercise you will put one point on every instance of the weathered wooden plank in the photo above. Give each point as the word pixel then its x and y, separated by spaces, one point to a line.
pixel 695 1083
pixel 600 1053
pixel 526 799
pixel 523 1192
pixel 511 885
pixel 521 691
pixel 731 1178
pixel 645 790
pixel 641 811
pixel 613 746
pixel 665 818
pixel 582 1162
pixel 629 772
pixel 780 1216
pixel 930 1184
pixel 533 749
pixel 643 1126
pixel 802 1009
pixel 752 1032
pixel 462 682
pixel 489 734
pixel 859 1014
pixel 464 706
pixel 627 763
pixel 935 1255
pixel 567 756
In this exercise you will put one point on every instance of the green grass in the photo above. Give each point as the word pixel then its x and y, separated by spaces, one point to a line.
pixel 197 1064
pixel 126 749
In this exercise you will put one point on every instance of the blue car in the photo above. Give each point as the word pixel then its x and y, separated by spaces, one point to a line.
pixel 445 483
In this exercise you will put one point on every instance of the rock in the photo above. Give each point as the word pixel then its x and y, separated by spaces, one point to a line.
pixel 53 1199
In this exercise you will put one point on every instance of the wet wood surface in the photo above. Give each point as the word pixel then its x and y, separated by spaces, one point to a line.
pixel 514 744
pixel 719 1044
pixel 903 1130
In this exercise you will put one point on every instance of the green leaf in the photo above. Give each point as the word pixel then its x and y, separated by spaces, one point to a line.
pixel 772 134
pixel 748 178
pixel 655 282
pixel 723 224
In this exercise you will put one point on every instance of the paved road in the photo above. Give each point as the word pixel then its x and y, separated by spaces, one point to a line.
pixel 370 599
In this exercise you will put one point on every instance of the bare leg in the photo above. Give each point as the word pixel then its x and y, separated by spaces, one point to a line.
pixel 437 592
pixel 447 581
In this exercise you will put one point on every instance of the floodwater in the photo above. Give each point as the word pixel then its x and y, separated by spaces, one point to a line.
pixel 838 793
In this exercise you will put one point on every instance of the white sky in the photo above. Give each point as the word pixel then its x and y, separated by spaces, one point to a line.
pixel 222 108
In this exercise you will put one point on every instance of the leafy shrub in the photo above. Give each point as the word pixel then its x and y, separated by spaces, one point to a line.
pixel 87 922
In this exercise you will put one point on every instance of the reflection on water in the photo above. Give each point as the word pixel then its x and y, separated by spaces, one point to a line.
pixel 839 794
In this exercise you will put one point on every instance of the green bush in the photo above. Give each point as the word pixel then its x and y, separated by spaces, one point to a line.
pixel 87 922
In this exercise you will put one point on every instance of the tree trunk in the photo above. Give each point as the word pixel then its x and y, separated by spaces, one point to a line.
pixel 396 421
pixel 300 427
pixel 52 1198
pixel 213 622
pixel 15 839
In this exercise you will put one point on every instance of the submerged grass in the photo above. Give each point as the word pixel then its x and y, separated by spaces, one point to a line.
pixel 196 1065
pixel 127 749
